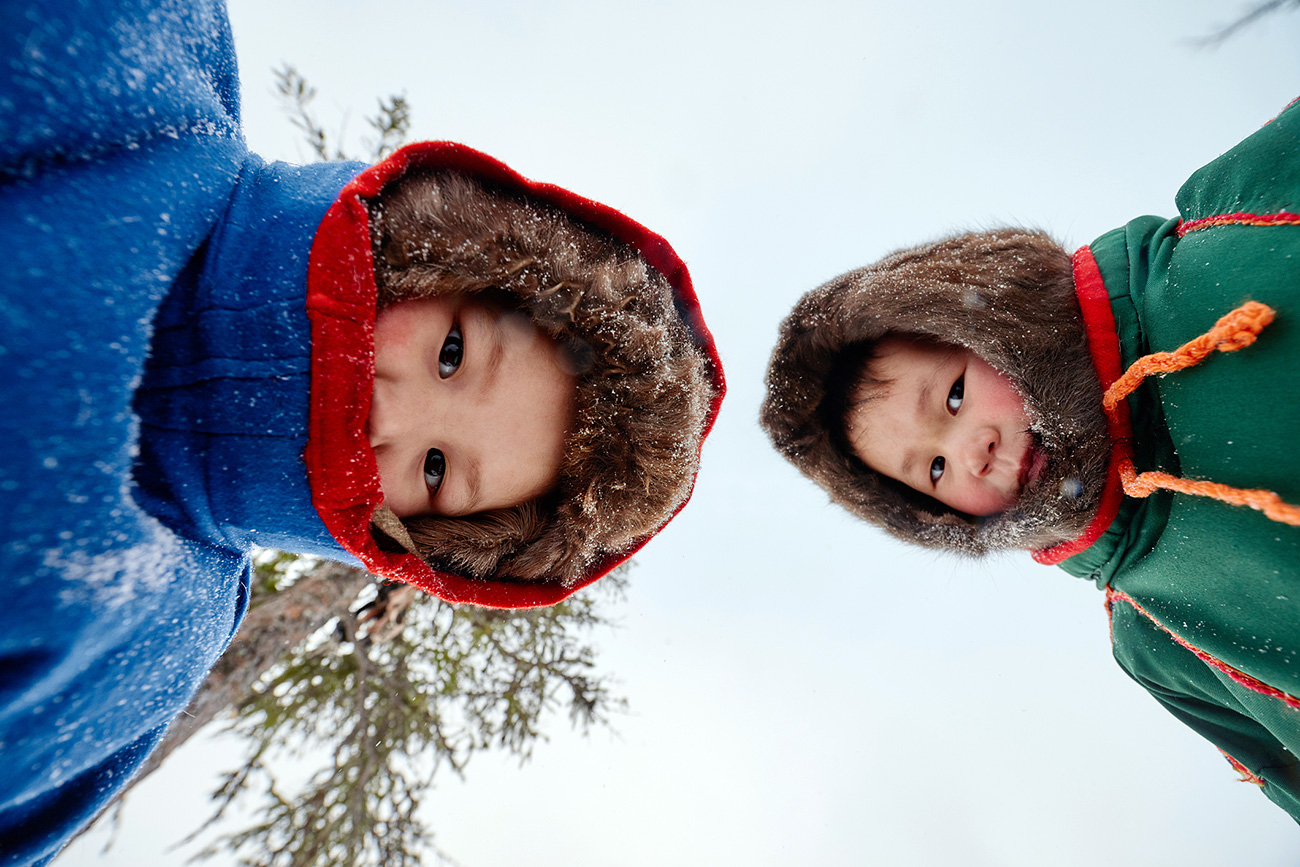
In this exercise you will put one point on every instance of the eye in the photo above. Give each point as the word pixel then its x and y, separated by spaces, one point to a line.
pixel 453 350
pixel 435 467
pixel 936 468
pixel 955 395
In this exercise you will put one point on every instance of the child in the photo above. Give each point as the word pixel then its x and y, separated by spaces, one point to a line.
pixel 191 344
pixel 636 390
pixel 968 395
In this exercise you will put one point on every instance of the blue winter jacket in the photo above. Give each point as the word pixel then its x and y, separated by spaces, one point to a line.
pixel 135 477
pixel 176 316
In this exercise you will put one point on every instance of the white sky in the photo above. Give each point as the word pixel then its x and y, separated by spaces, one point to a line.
pixel 805 691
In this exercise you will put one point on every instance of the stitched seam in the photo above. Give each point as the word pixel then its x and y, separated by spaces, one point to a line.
pixel 1236 675
pixel 1247 776
pixel 1283 218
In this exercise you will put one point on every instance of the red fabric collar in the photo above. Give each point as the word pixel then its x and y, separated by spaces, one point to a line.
pixel 1103 345
pixel 341 297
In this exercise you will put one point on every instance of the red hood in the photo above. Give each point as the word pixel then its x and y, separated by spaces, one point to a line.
pixel 341 298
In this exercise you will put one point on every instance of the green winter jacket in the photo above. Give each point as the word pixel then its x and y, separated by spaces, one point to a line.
pixel 1205 597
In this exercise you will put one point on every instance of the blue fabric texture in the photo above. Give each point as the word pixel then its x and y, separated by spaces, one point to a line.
pixel 155 359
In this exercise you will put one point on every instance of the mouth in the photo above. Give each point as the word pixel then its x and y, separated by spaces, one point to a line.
pixel 1032 465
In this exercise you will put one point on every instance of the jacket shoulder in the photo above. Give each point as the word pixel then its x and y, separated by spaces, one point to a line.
pixel 1260 175
pixel 79 79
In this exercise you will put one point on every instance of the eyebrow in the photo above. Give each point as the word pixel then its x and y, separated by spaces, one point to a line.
pixel 909 460
pixel 473 479
pixel 496 351
pixel 923 397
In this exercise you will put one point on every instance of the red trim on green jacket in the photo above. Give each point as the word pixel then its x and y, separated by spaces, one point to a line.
pixel 1247 775
pixel 1103 345
pixel 341 298
pixel 1282 218
pixel 1235 674
pixel 1283 111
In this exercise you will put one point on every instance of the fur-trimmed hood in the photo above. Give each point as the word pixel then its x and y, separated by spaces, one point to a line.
pixel 643 390
pixel 1008 296
pixel 439 217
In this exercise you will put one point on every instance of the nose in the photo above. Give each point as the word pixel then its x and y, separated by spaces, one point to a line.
pixel 977 450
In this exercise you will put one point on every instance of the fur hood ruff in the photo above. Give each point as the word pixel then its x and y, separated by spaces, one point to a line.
pixel 612 292
pixel 1008 296
pixel 645 389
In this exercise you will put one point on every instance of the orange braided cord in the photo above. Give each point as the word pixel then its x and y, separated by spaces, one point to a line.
pixel 1146 484
pixel 1234 331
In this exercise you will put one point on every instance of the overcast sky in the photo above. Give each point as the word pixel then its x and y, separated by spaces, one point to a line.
pixel 803 690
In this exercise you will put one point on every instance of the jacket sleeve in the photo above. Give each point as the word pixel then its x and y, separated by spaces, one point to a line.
pixel 48 820
pixel 98 654
pixel 1258 733
pixel 119 147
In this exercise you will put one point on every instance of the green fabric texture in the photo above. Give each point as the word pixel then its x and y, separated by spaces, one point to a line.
pixel 1223 578
pixel 1124 257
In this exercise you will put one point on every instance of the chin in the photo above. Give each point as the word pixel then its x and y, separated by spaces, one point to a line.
pixel 1059 503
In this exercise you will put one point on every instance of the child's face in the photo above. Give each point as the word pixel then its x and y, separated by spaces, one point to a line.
pixel 470 409
pixel 948 425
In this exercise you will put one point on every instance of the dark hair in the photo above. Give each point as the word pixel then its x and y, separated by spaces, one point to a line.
pixel 850 374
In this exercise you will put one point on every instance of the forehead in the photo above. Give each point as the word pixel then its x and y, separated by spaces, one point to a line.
pixel 887 413
pixel 432 316
pixel 449 306
pixel 908 359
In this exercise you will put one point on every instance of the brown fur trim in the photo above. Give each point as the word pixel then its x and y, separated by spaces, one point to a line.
pixel 1006 295
pixel 643 385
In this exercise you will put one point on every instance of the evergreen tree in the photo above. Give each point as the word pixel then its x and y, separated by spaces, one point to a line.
pixel 391 122
pixel 1255 12
pixel 390 694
